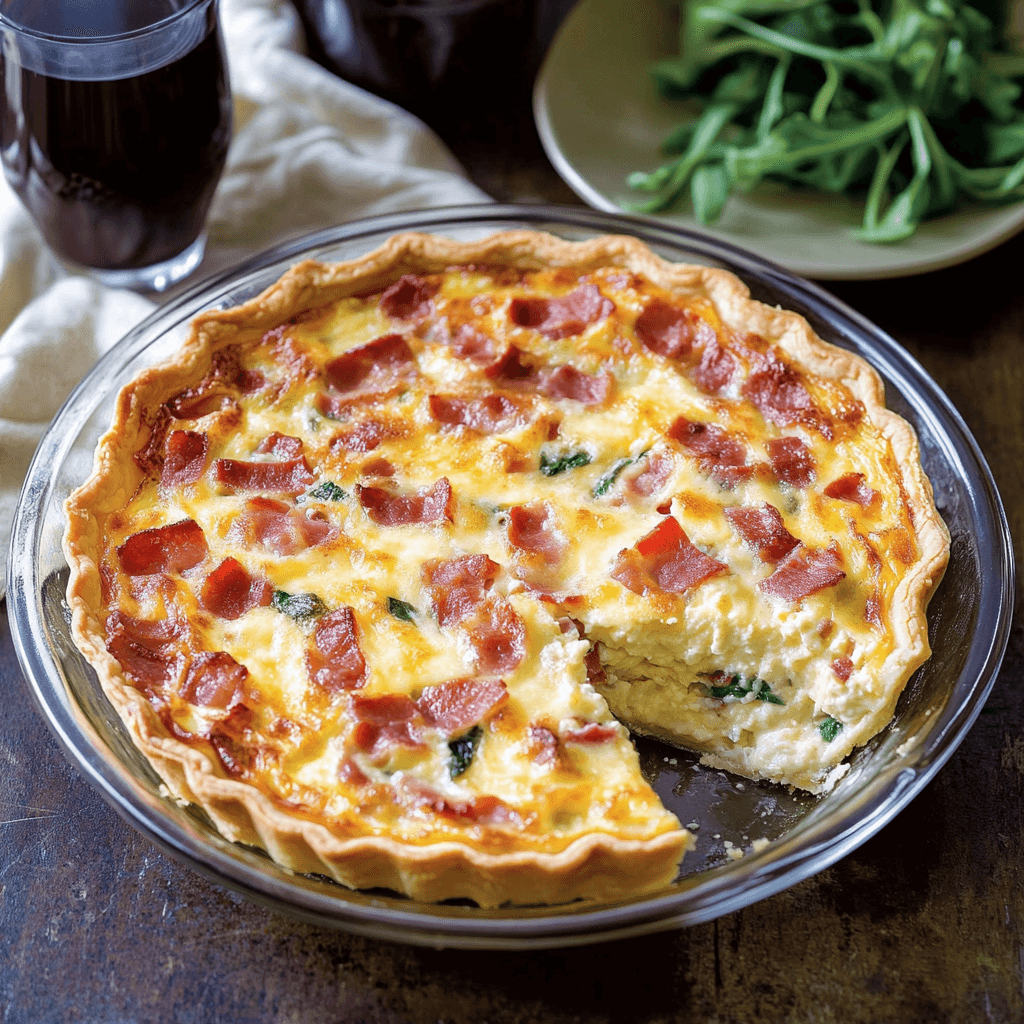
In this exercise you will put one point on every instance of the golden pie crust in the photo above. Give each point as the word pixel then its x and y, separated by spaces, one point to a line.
pixel 611 430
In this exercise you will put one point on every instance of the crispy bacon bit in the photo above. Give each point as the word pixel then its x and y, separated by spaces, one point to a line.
pixel 852 487
pixel 378 467
pixel 462 703
pixel 497 635
pixel 388 509
pixel 185 454
pixel 280 527
pixel 531 528
pixel 469 343
pixel 716 368
pixel 804 572
pixel 290 477
pixel 842 667
pixel 792 461
pixel 595 670
pixel 665 329
pixel 172 548
pixel 386 721
pixel 722 457
pixel 215 680
pixel 592 732
pixel 665 560
pixel 349 772
pixel 361 438
pixel 229 591
pixel 458 585
pixel 373 366
pixel 566 381
pixel 762 529
pixel 780 394
pixel 509 366
pixel 282 445
pixel 649 474
pixel 408 298
pixel 481 810
pixel 542 744
pixel 489 414
pixel 562 317
pixel 148 651
pixel 337 663
pixel 873 610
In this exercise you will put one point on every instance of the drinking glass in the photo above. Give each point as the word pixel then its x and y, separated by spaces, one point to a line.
pixel 114 130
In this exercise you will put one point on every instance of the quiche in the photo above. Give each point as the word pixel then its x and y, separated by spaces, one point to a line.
pixel 385 566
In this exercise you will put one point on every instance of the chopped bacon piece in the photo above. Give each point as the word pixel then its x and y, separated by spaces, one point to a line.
pixel 792 461
pixel 716 368
pixel 763 529
pixel 497 635
pixel 482 810
pixel 489 414
pixel 197 402
pixel 229 591
pixel 408 298
pixel 852 487
pixel 388 509
pixel 842 667
pixel 804 572
pixel 595 670
pixel 566 381
pixel 665 329
pixel 531 528
pixel 372 366
pixel 215 680
pixel 280 527
pixel 389 720
pixel 469 343
pixel 648 474
pixel 458 585
pixel 543 744
pixel 337 663
pixel 666 560
pixel 592 732
pixel 185 454
pixel 462 703
pixel 378 467
pixel 290 477
pixel 361 438
pixel 509 366
pixel 562 317
pixel 780 394
pixel 172 548
pixel 722 457
pixel 149 651
pixel 282 445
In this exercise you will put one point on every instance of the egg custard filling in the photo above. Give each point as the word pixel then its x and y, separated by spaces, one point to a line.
pixel 384 566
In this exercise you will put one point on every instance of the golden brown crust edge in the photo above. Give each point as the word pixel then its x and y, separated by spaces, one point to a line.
pixel 596 866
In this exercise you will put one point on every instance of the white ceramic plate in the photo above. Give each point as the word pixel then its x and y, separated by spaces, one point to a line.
pixel 600 117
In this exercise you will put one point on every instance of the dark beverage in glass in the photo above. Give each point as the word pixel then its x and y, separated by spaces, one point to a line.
pixel 114 129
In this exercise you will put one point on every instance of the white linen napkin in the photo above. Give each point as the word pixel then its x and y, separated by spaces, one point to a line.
pixel 309 151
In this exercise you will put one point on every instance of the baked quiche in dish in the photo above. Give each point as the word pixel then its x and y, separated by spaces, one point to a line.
pixel 383 568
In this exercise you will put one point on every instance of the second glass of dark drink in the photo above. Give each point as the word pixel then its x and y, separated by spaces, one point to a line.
pixel 114 130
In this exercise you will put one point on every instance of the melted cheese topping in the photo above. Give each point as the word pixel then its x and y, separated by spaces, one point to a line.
pixel 770 687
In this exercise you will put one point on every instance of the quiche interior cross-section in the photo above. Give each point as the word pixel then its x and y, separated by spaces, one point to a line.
pixel 382 566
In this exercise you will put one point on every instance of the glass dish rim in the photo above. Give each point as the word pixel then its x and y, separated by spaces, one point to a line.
pixel 789 859
pixel 10 25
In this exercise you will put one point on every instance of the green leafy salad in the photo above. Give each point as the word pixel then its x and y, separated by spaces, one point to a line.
pixel 915 105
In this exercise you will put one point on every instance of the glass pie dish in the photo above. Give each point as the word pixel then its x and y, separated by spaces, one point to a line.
pixel 752 839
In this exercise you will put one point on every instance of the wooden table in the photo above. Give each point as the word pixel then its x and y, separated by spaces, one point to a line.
pixel 923 923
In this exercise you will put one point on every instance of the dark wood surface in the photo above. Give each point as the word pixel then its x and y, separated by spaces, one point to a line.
pixel 923 923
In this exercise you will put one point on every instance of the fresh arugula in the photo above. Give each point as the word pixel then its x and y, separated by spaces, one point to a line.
pixel 298 606
pixel 830 729
pixel 604 485
pixel 908 103
pixel 738 687
pixel 328 491
pixel 401 609
pixel 552 465
pixel 463 750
